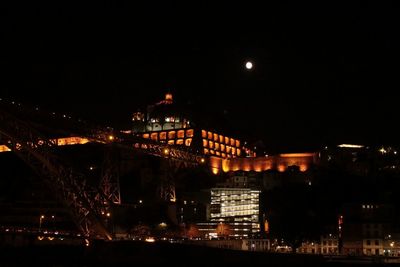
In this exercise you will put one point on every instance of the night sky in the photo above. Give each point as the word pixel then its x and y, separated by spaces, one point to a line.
pixel 322 73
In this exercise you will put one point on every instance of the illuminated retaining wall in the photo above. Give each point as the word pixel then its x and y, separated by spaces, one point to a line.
pixel 279 162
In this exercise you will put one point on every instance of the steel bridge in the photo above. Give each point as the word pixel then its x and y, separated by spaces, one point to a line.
pixel 87 204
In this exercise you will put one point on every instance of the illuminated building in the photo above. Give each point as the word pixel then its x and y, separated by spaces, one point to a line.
pixel 237 207
pixel 164 122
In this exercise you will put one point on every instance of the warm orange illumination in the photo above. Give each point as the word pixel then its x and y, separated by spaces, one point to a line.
pixel 216 146
pixel 206 151
pixel 228 149
pixel 154 136
pixel 171 142
pixel 205 143
pixel 171 134
pixel 232 142
pixel 209 135
pixel 218 153
pixel 223 155
pixel 188 142
pixel 238 152
pixel 212 152
pixel 189 133
pixel 40 238
pixel 146 136
pixel 216 137
pixel 168 97
pixel 110 138
pixel 163 136
pixel 281 168
pixel 237 142
pixel 222 147
pixel 226 140
pixel 4 148
pixel 179 142
pixel 50 238
pixel 181 133
pixel 221 139
pixel 215 171
pixel 303 168
pixel 166 151
pixel 202 160
pixel 203 133
pixel 72 141
pixel 108 214
pixel 210 144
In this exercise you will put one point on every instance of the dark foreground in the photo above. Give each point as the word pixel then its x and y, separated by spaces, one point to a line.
pixel 155 254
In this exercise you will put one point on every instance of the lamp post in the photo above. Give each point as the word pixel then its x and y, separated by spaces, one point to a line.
pixel 40 222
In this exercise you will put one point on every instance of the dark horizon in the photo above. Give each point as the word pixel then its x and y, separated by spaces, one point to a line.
pixel 318 77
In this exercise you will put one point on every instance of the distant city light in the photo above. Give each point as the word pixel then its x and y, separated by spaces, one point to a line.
pixel 350 146
pixel 150 239
pixel 249 65
pixel 383 150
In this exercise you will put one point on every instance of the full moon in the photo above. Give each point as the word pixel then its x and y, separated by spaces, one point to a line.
pixel 249 65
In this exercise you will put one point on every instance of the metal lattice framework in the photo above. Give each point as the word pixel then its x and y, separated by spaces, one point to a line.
pixel 109 184
pixel 87 204
pixel 84 203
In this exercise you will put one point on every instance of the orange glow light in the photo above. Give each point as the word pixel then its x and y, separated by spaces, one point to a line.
pixel 281 168
pixel 205 143
pixel 181 134
pixel 189 133
pixel 163 135
pixel 171 135
pixel 303 167
pixel 216 137
pixel 203 133
pixel 188 142
pixel 4 148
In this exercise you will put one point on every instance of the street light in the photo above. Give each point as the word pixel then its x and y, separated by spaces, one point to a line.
pixel 40 222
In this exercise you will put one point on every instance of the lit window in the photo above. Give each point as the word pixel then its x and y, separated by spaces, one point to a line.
pixel 232 142
pixel 171 142
pixel 205 143
pixel 216 145
pixel 188 141
pixel 163 135
pixel 146 136
pixel 206 151
pixel 237 143
pixel 209 135
pixel 221 139
pixel 223 155
pixel 222 147
pixel 203 134
pixel 179 142
pixel 210 144
pixel 189 133
pixel 216 137
pixel 228 149
pixel 238 152
pixel 154 136
pixel 212 152
pixel 181 134
pixel 171 135
pixel 226 140
pixel 217 153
